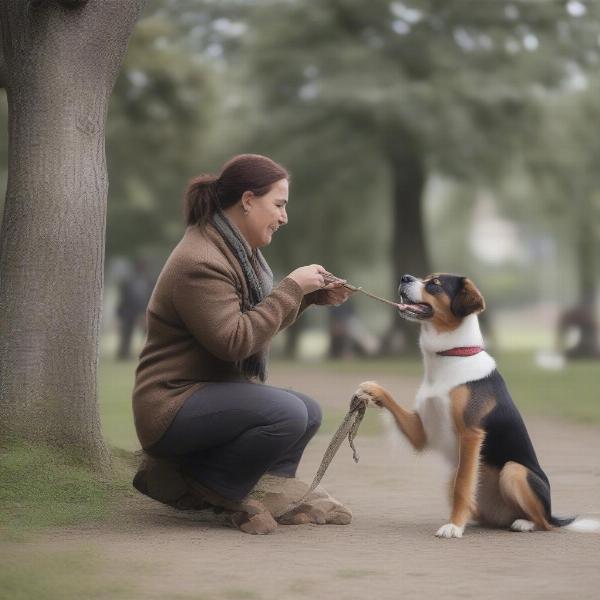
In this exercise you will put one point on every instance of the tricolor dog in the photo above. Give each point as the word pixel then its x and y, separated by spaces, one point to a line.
pixel 464 411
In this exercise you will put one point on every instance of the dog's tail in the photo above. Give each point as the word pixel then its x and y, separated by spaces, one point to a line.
pixel 576 524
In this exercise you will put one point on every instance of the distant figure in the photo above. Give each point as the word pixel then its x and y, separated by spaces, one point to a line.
pixel 134 293
pixel 577 332
pixel 348 337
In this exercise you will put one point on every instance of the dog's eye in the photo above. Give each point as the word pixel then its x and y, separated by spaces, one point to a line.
pixel 433 286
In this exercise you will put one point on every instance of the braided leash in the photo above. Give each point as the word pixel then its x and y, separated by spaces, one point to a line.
pixel 349 427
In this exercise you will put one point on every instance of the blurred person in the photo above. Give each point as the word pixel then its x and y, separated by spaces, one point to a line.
pixel 577 332
pixel 135 289
pixel 348 337
pixel 200 403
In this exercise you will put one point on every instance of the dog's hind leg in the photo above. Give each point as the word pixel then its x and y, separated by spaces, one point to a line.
pixel 528 493
pixel 409 422
pixel 492 510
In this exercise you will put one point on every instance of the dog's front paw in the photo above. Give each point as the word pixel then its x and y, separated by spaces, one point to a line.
pixel 370 393
pixel 450 530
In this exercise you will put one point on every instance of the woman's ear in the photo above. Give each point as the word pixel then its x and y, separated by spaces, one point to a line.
pixel 247 200
pixel 468 300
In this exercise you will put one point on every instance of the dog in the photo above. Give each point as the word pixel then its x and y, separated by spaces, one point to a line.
pixel 464 411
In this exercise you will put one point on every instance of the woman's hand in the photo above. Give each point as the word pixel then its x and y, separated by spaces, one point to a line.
pixel 334 296
pixel 315 277
pixel 309 278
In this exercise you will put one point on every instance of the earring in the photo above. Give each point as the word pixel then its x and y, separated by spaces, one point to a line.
pixel 246 211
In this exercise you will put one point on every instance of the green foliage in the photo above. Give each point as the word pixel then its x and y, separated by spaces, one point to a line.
pixel 453 80
pixel 343 89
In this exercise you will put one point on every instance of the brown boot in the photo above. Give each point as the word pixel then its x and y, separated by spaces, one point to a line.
pixel 277 493
pixel 248 515
pixel 254 518
pixel 162 480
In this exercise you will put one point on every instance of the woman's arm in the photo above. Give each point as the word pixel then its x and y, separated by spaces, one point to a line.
pixel 332 296
pixel 208 303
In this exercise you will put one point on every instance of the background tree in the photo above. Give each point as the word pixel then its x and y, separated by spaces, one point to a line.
pixel 157 135
pixel 567 183
pixel 420 87
pixel 61 60
pixel 365 102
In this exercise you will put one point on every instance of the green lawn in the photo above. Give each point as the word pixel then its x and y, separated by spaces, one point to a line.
pixel 571 393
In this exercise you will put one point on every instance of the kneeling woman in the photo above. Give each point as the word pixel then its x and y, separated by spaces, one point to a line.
pixel 199 398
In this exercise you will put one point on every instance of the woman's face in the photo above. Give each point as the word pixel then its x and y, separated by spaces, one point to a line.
pixel 266 214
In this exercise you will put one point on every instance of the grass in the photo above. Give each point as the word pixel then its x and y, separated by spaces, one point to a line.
pixel 61 575
pixel 44 487
pixel 570 393
pixel 116 384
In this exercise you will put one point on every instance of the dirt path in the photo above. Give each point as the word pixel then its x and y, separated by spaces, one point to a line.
pixel 388 552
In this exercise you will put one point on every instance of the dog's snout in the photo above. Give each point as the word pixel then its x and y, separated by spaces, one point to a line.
pixel 407 278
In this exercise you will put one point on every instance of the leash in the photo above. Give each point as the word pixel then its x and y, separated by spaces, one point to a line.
pixel 352 420
pixel 349 427
pixel 329 278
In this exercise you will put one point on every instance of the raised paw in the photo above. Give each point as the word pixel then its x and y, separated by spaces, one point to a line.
pixel 450 530
pixel 522 525
pixel 370 392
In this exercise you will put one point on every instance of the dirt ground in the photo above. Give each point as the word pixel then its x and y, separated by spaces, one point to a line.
pixel 388 552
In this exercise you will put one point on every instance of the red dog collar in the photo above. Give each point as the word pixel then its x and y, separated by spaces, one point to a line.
pixel 461 351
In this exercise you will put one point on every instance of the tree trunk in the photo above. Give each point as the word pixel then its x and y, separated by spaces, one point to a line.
pixel 587 345
pixel 409 252
pixel 62 59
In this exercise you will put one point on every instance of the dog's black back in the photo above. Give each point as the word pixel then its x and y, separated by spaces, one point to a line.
pixel 506 437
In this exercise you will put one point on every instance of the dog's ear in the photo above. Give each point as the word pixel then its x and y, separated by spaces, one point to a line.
pixel 468 300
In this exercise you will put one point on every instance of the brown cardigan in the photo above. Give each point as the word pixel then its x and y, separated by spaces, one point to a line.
pixel 197 331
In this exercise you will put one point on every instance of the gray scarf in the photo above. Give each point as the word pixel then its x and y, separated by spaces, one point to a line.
pixel 259 280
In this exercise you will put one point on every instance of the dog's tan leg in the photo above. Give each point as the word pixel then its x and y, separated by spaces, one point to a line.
pixel 493 510
pixel 470 440
pixel 465 483
pixel 408 421
pixel 515 489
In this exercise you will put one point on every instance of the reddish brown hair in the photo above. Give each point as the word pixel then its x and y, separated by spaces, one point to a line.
pixel 242 173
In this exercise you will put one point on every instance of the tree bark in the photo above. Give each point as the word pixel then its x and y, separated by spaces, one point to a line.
pixel 62 59
pixel 409 251
pixel 3 73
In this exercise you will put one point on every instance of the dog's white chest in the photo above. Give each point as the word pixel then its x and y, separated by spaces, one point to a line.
pixel 437 421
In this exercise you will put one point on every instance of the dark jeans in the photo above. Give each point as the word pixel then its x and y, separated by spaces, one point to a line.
pixel 226 435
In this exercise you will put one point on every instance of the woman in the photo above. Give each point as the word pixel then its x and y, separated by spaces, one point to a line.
pixel 199 398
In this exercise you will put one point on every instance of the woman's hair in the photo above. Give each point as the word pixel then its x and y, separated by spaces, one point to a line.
pixel 243 173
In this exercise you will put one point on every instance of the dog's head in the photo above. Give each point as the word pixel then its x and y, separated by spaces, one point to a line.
pixel 441 299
